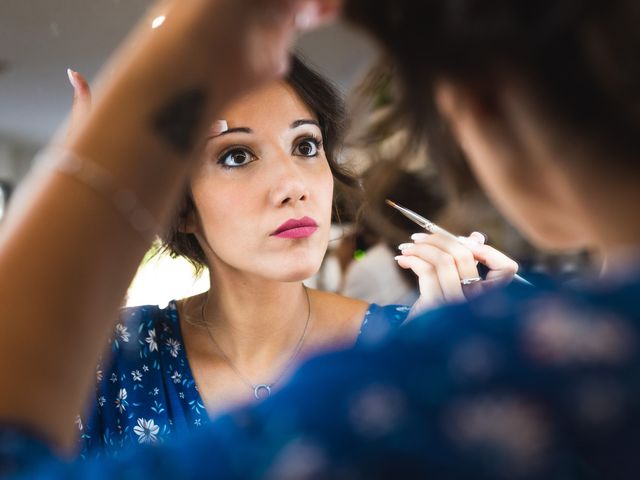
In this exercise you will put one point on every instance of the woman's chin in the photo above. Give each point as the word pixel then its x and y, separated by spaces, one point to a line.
pixel 298 275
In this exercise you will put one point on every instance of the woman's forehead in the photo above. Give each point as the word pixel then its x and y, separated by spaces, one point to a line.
pixel 275 103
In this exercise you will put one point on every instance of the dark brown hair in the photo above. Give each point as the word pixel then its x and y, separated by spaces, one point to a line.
pixel 324 101
pixel 580 57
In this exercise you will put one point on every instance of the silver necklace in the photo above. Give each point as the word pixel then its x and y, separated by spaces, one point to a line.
pixel 260 390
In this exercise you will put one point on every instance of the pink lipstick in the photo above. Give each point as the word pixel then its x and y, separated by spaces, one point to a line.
pixel 296 228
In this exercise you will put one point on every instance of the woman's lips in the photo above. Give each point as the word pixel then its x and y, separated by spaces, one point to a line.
pixel 296 228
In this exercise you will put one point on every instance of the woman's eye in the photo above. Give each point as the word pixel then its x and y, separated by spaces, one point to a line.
pixel 236 158
pixel 308 148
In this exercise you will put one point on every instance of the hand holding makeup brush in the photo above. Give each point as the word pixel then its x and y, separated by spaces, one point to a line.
pixel 447 268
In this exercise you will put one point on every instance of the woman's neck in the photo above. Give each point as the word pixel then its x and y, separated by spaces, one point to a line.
pixel 255 321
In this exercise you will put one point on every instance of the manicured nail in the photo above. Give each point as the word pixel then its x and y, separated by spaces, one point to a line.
pixel 72 78
pixel 484 239
pixel 219 127
pixel 405 246
pixel 399 257
pixel 419 237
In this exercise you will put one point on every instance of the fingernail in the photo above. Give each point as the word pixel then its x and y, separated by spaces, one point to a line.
pixel 398 257
pixel 417 237
pixel 308 17
pixel 405 246
pixel 219 127
pixel 482 240
pixel 72 78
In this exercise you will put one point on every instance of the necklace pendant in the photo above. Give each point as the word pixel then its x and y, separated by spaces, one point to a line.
pixel 262 391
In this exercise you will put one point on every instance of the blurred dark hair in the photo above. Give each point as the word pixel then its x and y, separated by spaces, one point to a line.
pixel 326 104
pixel 581 58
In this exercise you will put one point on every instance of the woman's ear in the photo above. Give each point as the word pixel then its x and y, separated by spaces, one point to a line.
pixel 470 110
pixel 454 104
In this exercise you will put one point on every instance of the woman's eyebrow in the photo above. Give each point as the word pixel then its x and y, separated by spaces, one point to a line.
pixel 236 130
pixel 228 131
pixel 305 121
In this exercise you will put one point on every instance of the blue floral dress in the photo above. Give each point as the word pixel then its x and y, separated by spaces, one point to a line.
pixel 146 391
pixel 530 385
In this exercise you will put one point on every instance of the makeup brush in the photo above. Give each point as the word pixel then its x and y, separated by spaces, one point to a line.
pixel 431 227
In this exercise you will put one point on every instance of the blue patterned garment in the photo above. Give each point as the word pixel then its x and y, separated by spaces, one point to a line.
pixel 146 391
pixel 537 384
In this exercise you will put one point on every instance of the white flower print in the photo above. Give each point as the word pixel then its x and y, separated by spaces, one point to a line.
pixel 197 422
pixel 151 340
pixel 146 430
pixel 136 375
pixel 122 333
pixel 102 401
pixel 121 401
pixel 173 346
pixel 145 368
pixel 113 378
pixel 156 391
pixel 98 374
pixel 181 395
pixel 176 377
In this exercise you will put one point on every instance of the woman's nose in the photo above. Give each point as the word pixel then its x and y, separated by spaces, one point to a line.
pixel 290 187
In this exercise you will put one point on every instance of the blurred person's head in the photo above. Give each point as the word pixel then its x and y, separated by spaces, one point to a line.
pixel 542 98
pixel 261 201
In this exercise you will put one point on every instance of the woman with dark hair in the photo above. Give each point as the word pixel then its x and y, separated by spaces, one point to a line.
pixel 256 214
pixel 542 98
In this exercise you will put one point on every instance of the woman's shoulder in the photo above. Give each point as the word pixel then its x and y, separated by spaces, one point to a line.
pixel 142 327
pixel 336 300
pixel 338 307
pixel 140 337
pixel 358 319
pixel 337 316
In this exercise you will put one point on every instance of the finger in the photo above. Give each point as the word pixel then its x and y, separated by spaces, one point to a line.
pixel 81 90
pixel 430 291
pixel 218 128
pixel 444 265
pixel 81 101
pixel 493 259
pixel 290 17
pixel 462 255
pixel 478 237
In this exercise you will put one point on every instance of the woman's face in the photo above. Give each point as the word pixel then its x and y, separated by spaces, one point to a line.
pixel 264 190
